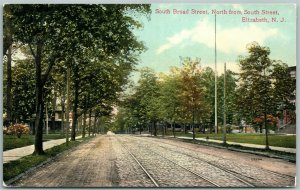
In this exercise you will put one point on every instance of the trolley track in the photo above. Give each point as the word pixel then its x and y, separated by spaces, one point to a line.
pixel 126 147
pixel 248 180
pixel 247 183
pixel 192 149
pixel 136 160
pixel 201 176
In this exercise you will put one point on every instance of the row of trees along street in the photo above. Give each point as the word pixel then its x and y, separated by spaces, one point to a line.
pixel 93 44
pixel 89 51
pixel 185 95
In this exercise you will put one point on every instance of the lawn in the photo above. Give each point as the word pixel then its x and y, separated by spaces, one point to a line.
pixel 12 141
pixel 288 141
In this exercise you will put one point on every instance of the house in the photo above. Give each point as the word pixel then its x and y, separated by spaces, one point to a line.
pixel 288 115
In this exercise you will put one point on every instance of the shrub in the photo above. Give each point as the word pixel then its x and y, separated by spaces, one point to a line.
pixel 5 131
pixel 17 129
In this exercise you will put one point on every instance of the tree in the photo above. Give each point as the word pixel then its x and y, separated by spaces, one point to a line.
pixel 194 108
pixel 284 88
pixel 23 91
pixel 169 100
pixel 117 45
pixel 54 32
pixel 121 121
pixel 177 96
pixel 99 84
pixel 23 87
pixel 147 93
pixel 134 115
pixel 208 82
pixel 8 32
pixel 58 92
pixel 230 96
pixel 256 98
pixel 35 27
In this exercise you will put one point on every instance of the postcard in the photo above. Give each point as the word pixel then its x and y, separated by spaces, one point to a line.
pixel 160 95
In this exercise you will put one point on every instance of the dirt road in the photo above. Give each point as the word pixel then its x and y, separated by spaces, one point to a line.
pixel 89 165
pixel 131 161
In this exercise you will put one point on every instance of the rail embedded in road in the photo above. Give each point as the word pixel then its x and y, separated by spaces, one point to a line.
pixel 247 175
pixel 146 172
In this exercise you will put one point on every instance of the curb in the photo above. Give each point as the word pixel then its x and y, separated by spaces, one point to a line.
pixel 12 180
pixel 236 149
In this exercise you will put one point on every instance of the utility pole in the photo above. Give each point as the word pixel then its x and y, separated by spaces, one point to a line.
pixel 193 102
pixel 216 76
pixel 224 109
pixel 265 112
pixel 68 105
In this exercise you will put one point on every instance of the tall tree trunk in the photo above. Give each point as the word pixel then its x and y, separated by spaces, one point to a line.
pixel 63 117
pixel 47 119
pixel 155 128
pixel 80 123
pixel 193 131
pixel 173 128
pixel 84 123
pixel 38 145
pixel 68 105
pixel 193 119
pixel 260 128
pixel 74 122
pixel 94 128
pixel 7 47
pixel 165 128
pixel 90 121
pixel 98 125
pixel 8 87
pixel 40 81
pixel 53 110
pixel 76 101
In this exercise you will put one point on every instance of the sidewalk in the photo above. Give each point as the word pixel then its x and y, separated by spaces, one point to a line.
pixel 17 153
pixel 282 149
pixel 290 150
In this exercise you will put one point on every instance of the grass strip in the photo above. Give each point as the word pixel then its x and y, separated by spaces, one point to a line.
pixel 287 141
pixel 291 157
pixel 12 141
pixel 279 140
pixel 15 168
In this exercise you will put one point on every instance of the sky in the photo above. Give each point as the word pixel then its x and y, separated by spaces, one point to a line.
pixel 168 36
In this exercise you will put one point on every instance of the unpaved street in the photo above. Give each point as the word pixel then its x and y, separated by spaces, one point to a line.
pixel 134 161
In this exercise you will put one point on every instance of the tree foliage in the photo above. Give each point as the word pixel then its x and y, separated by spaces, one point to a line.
pixel 255 90
pixel 185 95
pixel 265 84
pixel 76 35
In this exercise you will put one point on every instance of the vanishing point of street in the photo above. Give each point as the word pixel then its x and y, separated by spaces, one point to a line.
pixel 140 161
